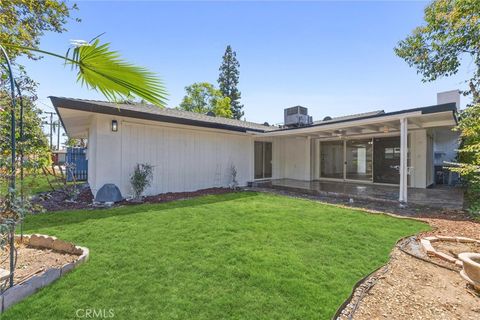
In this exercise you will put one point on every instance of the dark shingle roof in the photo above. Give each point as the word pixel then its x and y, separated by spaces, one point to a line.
pixel 350 117
pixel 151 112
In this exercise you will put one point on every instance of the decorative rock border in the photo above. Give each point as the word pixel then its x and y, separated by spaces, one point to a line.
pixel 430 250
pixel 31 285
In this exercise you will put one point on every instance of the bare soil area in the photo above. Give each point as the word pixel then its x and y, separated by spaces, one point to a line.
pixel 455 225
pixel 32 261
pixel 410 288
pixel 455 248
pixel 414 289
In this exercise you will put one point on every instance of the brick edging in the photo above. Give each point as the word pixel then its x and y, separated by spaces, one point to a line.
pixel 31 285
pixel 431 251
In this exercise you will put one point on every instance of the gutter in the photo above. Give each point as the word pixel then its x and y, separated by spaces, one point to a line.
pixel 96 108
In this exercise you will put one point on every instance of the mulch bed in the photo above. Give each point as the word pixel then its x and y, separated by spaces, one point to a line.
pixel 60 200
pixel 172 196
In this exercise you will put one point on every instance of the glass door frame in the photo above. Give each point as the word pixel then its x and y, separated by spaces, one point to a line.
pixel 263 159
pixel 344 140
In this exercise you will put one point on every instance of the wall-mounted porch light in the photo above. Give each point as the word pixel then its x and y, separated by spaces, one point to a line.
pixel 114 125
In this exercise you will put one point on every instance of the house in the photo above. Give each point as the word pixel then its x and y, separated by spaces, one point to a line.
pixel 191 151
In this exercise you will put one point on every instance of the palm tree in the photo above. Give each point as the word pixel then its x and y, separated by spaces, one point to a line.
pixel 103 70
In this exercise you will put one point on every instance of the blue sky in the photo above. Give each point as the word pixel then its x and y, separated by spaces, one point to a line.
pixel 335 58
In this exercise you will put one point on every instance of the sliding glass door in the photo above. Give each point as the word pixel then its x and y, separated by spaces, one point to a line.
pixel 387 160
pixel 358 162
pixel 263 159
pixel 331 159
pixel 351 159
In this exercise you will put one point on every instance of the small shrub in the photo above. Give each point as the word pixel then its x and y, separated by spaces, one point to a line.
pixel 141 179
pixel 233 175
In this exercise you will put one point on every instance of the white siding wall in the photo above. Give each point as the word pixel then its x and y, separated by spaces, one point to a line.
pixel 418 158
pixel 184 158
pixel 291 158
pixel 187 158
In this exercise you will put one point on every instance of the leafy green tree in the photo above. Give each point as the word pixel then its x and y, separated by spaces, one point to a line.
pixel 34 144
pixel 228 81
pixel 203 97
pixel 23 22
pixel 74 142
pixel 450 36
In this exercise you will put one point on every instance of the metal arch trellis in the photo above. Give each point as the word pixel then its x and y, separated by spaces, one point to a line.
pixel 11 216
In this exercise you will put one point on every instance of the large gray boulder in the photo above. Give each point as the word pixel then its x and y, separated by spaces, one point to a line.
pixel 108 193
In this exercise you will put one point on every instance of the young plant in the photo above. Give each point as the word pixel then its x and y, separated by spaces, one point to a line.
pixel 141 179
pixel 233 175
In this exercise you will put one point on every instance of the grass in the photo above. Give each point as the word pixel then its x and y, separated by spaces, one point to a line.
pixel 237 256
pixel 35 183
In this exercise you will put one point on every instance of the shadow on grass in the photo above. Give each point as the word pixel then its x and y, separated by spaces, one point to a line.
pixel 62 218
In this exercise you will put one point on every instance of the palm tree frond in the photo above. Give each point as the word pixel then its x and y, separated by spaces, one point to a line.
pixel 101 69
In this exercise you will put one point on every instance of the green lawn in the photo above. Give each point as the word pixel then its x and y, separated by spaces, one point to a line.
pixel 235 256
pixel 34 183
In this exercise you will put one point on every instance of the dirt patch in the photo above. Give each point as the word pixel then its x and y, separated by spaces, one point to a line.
pixel 32 261
pixel 413 289
pixel 466 227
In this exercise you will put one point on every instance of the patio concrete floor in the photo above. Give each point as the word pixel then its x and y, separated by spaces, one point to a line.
pixel 442 197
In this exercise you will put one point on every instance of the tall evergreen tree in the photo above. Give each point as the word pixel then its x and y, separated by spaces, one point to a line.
pixel 228 81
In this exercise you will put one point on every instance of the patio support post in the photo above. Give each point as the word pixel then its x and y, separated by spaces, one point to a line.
pixel 403 160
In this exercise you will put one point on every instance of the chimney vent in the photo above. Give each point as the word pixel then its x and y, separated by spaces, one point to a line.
pixel 449 97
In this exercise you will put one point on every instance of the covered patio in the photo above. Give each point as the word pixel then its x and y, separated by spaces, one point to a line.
pixel 384 156
pixel 442 197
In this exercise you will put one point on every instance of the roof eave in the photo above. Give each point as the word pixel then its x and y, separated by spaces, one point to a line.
pixel 102 109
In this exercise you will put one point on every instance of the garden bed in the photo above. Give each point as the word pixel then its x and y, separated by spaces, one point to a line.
pixel 40 261
pixel 172 196
pixel 60 200
pixel 33 261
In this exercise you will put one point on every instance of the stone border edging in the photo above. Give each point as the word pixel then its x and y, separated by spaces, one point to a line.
pixel 34 283
pixel 431 251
